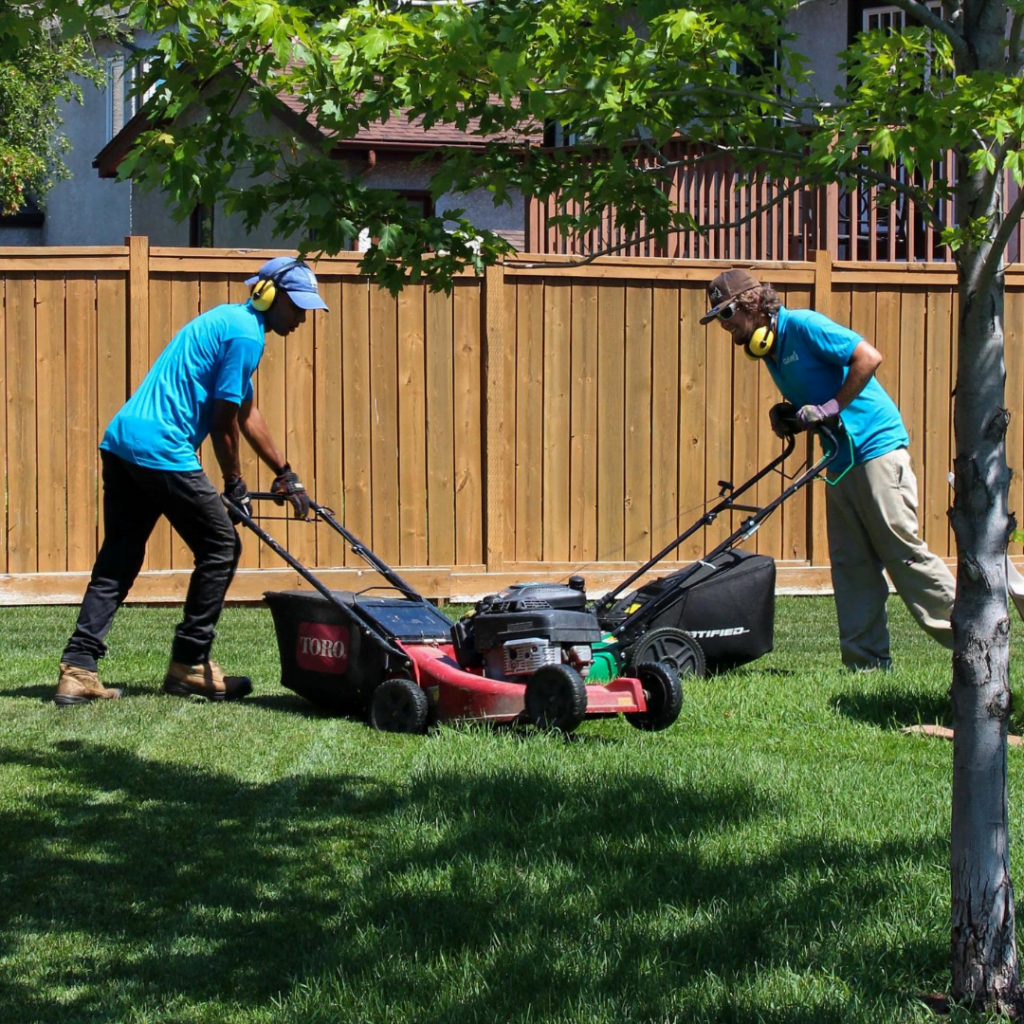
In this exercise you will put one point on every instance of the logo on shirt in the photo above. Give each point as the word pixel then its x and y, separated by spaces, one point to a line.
pixel 791 358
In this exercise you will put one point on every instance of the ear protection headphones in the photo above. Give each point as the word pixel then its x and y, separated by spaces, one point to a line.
pixel 760 343
pixel 264 291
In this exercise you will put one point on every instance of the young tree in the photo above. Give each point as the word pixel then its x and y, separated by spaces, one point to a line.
pixel 720 73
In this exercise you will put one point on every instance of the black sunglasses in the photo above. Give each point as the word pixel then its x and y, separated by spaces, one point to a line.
pixel 727 312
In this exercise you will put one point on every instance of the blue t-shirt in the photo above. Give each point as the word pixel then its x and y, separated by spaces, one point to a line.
pixel 168 417
pixel 812 355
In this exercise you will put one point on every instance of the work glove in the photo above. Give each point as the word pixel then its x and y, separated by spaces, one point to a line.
pixel 236 491
pixel 812 415
pixel 289 486
pixel 783 419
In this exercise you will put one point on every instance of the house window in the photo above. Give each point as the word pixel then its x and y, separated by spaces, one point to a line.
pixel 419 200
pixel 200 227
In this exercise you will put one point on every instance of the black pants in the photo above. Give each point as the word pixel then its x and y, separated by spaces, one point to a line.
pixel 134 498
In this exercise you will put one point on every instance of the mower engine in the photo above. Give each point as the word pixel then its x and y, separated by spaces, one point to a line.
pixel 512 634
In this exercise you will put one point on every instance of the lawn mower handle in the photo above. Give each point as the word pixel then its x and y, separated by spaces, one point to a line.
pixel 327 515
pixel 827 431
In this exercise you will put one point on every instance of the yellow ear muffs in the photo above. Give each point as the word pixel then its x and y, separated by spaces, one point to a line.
pixel 760 343
pixel 263 294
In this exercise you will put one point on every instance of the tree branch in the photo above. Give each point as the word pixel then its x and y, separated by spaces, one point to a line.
pixel 1013 44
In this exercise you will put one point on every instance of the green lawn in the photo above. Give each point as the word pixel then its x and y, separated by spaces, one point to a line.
pixel 779 855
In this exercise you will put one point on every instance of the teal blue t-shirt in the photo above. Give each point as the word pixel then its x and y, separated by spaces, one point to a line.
pixel 812 355
pixel 168 417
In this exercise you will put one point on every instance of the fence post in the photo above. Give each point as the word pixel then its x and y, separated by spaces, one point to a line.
pixel 138 309
pixel 817 539
pixel 495 405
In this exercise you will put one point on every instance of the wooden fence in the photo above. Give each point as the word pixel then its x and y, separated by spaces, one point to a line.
pixel 539 421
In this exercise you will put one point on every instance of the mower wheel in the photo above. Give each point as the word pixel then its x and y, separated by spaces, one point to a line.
pixel 399 705
pixel 664 694
pixel 673 647
pixel 556 698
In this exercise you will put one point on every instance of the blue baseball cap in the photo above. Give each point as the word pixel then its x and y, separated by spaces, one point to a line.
pixel 295 278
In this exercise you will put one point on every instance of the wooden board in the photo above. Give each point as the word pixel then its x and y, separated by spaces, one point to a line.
pixel 556 414
pixel 22 402
pixel 610 422
pixel 583 455
pixel 53 376
pixel 412 426
pixel 639 382
pixel 529 423
pixel 384 423
pixel 355 369
pixel 469 420
pixel 665 400
pixel 440 430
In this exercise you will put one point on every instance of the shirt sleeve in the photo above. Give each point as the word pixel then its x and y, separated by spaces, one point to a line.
pixel 833 342
pixel 239 359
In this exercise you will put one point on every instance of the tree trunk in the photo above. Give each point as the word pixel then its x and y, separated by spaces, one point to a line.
pixel 986 972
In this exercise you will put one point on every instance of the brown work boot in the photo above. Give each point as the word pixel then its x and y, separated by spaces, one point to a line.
pixel 205 680
pixel 79 686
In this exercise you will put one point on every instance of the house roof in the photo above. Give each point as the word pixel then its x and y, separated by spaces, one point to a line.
pixel 398 134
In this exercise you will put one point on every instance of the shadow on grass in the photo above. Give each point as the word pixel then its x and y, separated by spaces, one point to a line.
pixel 894 709
pixel 196 888
pixel 40 692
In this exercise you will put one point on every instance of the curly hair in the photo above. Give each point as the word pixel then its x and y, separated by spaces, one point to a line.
pixel 763 299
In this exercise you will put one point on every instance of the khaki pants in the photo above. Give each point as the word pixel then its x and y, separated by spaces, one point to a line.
pixel 872 525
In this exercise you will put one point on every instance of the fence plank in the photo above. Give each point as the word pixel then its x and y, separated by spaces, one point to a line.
pixel 22 503
pixel 51 424
pixel 529 422
pixel 412 421
pixel 469 452
pixel 610 422
pixel 637 439
pixel 555 420
pixel 664 417
pixel 327 470
pixel 355 368
pixel 384 423
pixel 440 431
pixel 583 456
